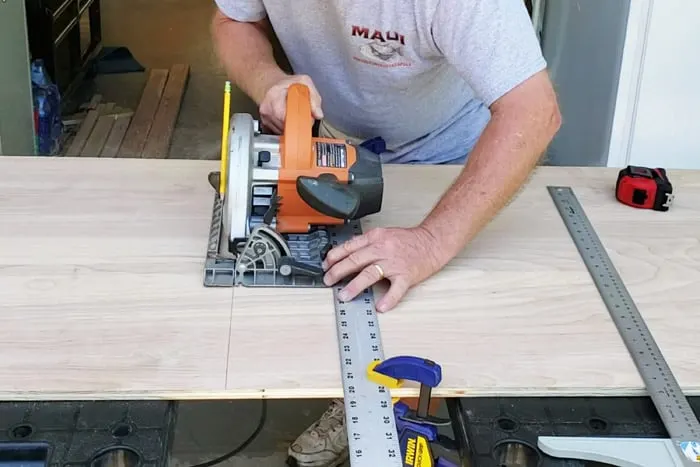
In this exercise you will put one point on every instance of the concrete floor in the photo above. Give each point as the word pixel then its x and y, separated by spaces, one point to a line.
pixel 160 33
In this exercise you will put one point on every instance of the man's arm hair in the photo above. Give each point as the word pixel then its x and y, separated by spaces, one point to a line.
pixel 246 53
pixel 523 123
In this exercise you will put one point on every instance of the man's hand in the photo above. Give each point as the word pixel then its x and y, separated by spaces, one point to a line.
pixel 252 67
pixel 273 107
pixel 523 123
pixel 405 257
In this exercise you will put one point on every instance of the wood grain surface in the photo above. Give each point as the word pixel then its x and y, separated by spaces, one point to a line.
pixel 100 280
pixel 101 291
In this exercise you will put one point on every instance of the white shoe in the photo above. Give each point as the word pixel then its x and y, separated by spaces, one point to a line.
pixel 324 443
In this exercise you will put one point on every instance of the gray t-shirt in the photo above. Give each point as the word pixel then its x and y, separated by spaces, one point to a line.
pixel 419 73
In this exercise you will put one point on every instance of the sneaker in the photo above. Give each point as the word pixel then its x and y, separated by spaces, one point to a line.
pixel 324 443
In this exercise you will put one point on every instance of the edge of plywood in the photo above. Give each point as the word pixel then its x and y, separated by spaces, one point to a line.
pixel 327 393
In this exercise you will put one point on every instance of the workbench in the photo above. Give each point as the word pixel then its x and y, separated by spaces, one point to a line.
pixel 101 293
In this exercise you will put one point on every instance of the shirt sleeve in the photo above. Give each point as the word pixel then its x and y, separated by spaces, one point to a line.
pixel 242 10
pixel 492 43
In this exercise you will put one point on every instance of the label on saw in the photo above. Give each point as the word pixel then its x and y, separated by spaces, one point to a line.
pixel 333 155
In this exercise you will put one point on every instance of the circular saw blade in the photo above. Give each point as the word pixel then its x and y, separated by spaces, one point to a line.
pixel 262 252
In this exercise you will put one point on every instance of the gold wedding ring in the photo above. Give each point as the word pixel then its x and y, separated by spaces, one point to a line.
pixel 379 270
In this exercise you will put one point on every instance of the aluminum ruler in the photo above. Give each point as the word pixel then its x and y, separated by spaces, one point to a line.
pixel 663 388
pixel 371 425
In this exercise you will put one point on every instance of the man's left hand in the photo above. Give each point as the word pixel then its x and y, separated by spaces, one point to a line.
pixel 404 256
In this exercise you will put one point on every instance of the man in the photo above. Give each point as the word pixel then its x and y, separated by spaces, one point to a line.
pixel 441 81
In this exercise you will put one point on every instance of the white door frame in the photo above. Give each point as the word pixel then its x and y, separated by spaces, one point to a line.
pixel 631 72
pixel 538 7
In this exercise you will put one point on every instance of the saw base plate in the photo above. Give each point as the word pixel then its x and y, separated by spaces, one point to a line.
pixel 220 264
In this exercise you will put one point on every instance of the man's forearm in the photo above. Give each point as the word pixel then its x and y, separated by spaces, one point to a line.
pixel 246 53
pixel 522 125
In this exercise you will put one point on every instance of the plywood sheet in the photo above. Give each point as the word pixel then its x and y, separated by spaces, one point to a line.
pixel 101 291
pixel 658 257
pixel 100 280
pixel 515 314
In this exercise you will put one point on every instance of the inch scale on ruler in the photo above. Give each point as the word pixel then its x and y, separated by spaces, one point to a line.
pixel 683 447
pixel 371 426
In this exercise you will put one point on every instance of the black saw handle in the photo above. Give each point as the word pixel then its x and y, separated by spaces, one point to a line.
pixel 328 196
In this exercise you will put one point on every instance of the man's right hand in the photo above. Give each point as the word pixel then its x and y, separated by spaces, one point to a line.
pixel 273 107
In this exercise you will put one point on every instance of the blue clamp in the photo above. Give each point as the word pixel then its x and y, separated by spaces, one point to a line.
pixel 421 370
pixel 414 424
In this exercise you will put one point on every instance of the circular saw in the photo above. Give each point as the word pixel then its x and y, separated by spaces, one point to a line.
pixel 283 192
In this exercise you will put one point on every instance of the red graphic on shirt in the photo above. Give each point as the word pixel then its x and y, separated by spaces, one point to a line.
pixel 381 48
pixel 381 36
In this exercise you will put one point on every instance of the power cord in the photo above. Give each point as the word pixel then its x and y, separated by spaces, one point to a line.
pixel 244 444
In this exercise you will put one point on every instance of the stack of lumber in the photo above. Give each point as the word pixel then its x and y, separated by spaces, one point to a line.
pixel 98 130
pixel 106 131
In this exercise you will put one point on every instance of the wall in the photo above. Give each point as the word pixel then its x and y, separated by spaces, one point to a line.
pixel 16 113
pixel 666 129
pixel 583 43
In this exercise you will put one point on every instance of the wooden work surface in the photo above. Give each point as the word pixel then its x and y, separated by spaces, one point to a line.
pixel 101 291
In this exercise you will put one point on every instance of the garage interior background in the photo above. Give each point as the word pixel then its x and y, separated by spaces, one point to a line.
pixel 625 95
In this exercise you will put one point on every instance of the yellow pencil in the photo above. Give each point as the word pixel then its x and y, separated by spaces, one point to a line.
pixel 224 138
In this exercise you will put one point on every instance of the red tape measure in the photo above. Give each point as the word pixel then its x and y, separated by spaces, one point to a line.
pixel 645 188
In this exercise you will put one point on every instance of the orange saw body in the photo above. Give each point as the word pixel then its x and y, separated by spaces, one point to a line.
pixel 296 182
pixel 305 156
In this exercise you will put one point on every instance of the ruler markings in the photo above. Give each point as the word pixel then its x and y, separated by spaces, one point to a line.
pixel 663 388
pixel 371 426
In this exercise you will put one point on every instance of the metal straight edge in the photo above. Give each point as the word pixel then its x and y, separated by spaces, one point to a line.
pixel 663 388
pixel 371 426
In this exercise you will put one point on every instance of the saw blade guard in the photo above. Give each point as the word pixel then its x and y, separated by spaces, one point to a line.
pixel 262 252
pixel 237 202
